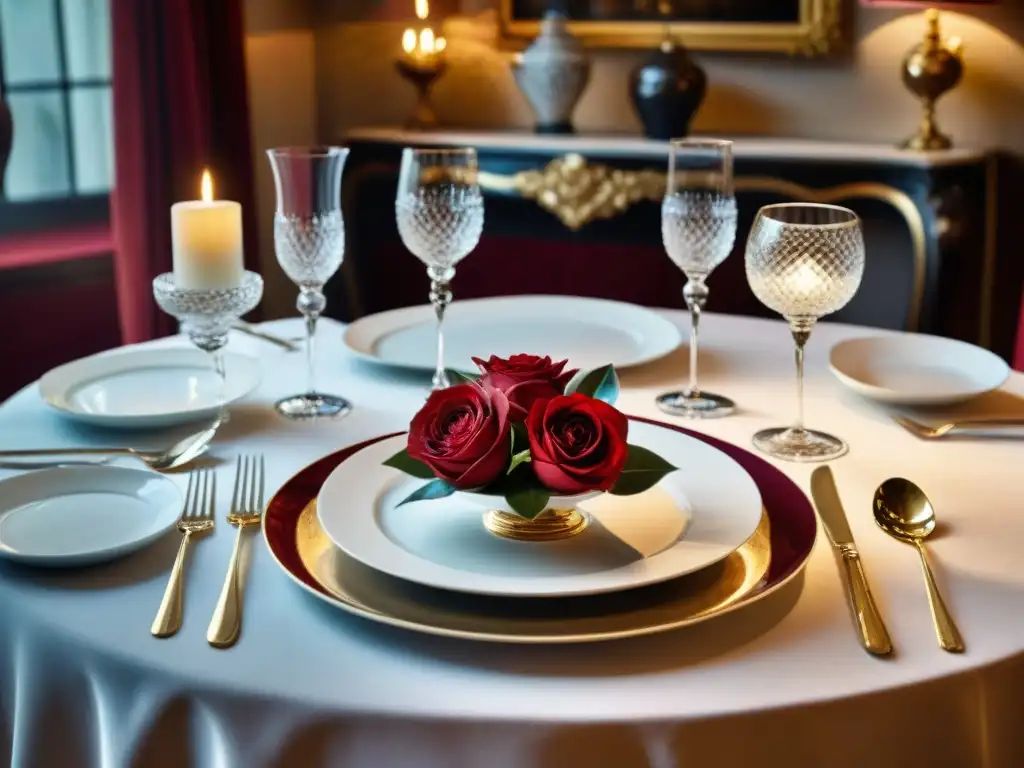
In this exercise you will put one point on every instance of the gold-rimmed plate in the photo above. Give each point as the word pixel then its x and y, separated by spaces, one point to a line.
pixel 775 553
pixel 358 589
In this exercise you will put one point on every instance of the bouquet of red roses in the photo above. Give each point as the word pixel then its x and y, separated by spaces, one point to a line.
pixel 526 429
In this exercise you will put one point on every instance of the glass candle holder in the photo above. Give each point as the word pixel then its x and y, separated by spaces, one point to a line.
pixel 207 314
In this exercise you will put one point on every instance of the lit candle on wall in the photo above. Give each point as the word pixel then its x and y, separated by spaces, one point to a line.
pixel 424 46
pixel 206 241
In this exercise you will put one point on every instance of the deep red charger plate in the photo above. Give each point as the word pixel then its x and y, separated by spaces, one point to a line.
pixel 792 518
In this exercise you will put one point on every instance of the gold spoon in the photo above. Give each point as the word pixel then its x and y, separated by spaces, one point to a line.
pixel 904 512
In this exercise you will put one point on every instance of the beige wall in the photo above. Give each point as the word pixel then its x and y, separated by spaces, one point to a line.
pixel 280 56
pixel 857 96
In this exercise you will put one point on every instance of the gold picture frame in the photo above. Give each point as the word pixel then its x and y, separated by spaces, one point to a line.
pixel 817 32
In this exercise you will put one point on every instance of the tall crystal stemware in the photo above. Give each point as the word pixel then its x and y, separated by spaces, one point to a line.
pixel 804 262
pixel 309 239
pixel 698 226
pixel 440 213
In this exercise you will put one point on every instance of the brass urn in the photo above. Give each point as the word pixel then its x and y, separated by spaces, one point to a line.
pixel 930 70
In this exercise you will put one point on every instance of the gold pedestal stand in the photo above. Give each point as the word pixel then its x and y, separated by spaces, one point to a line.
pixel 930 70
pixel 549 525
pixel 422 73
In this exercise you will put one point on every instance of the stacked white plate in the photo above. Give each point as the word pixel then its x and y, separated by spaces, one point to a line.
pixel 694 518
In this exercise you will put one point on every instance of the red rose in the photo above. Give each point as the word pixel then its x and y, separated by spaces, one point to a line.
pixel 462 434
pixel 577 443
pixel 525 379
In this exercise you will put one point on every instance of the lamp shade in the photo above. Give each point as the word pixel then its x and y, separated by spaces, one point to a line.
pixel 959 5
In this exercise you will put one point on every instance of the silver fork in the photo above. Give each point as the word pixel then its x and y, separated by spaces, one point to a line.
pixel 246 508
pixel 964 426
pixel 196 517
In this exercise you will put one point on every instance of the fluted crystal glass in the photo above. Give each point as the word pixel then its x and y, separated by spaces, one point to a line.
pixel 804 262
pixel 309 239
pixel 698 227
pixel 440 213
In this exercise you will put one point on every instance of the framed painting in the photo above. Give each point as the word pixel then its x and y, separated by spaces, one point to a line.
pixel 795 27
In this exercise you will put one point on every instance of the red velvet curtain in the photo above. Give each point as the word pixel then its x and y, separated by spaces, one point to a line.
pixel 180 104
pixel 1018 355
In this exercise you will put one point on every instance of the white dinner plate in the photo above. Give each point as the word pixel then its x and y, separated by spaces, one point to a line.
pixel 916 369
pixel 693 518
pixel 147 388
pixel 589 332
pixel 75 516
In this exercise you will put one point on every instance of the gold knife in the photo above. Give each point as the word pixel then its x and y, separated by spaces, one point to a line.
pixel 873 634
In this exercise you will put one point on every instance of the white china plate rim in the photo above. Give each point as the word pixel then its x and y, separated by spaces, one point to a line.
pixel 655 336
pixel 52 507
pixel 58 386
pixel 917 362
pixel 349 516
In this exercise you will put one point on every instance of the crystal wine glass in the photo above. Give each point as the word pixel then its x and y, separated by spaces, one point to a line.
pixel 309 239
pixel 698 226
pixel 440 213
pixel 804 261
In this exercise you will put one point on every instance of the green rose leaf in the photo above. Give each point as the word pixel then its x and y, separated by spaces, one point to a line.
pixel 519 458
pixel 601 384
pixel 522 490
pixel 461 377
pixel 520 438
pixel 529 500
pixel 435 489
pixel 403 462
pixel 643 470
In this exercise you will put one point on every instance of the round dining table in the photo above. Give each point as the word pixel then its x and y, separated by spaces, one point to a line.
pixel 783 681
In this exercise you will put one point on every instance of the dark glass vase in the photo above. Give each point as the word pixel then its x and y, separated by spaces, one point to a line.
pixel 667 89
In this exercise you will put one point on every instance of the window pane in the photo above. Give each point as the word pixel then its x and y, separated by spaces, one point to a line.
pixel 38 166
pixel 29 41
pixel 87 38
pixel 92 139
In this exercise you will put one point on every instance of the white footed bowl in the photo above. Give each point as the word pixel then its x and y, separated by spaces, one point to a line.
pixel 916 370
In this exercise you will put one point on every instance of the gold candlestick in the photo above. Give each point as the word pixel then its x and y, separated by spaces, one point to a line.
pixel 422 73
pixel 422 62
pixel 930 70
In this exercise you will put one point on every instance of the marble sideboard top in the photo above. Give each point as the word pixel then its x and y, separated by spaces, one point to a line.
pixel 806 150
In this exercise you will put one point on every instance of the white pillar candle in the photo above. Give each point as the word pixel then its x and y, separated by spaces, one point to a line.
pixel 206 241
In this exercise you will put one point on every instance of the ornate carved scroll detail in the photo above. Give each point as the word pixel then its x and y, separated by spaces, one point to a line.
pixel 579 193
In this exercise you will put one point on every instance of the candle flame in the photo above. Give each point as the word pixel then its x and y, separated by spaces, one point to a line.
pixel 427 40
pixel 206 187
pixel 409 41
pixel 422 9
pixel 439 44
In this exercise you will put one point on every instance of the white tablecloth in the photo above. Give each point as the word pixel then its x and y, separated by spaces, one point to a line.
pixel 784 682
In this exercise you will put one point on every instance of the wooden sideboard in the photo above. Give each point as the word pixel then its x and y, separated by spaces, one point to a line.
pixel 581 215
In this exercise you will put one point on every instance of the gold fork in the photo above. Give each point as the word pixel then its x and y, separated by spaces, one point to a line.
pixel 966 425
pixel 246 508
pixel 196 517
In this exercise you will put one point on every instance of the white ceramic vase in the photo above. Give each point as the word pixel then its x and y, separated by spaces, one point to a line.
pixel 552 74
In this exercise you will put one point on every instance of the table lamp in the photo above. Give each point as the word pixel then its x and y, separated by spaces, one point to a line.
pixel 931 68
